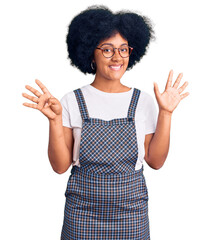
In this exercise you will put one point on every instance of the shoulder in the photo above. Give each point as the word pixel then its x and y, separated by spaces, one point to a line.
pixel 70 96
pixel 67 98
pixel 146 103
pixel 145 98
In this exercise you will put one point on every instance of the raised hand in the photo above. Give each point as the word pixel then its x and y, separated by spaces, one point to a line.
pixel 45 103
pixel 171 96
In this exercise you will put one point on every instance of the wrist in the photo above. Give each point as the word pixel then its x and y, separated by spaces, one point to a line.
pixel 165 113
pixel 56 120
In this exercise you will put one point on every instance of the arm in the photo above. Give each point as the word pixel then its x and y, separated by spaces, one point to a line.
pixel 60 138
pixel 60 147
pixel 157 144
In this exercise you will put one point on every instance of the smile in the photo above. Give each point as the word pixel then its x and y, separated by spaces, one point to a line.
pixel 115 67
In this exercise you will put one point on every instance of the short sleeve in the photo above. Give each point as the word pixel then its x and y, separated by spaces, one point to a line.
pixel 65 112
pixel 151 116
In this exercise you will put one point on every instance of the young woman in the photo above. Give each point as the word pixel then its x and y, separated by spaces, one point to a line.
pixel 105 129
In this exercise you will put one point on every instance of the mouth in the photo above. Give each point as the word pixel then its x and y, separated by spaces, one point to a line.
pixel 116 67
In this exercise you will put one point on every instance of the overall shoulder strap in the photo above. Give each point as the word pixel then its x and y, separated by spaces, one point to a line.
pixel 133 103
pixel 81 104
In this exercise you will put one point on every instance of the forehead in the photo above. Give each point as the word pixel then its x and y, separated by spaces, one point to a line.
pixel 116 39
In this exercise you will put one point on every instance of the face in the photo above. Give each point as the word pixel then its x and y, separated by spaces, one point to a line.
pixel 111 68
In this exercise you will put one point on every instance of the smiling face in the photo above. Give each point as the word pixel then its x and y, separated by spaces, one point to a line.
pixel 111 68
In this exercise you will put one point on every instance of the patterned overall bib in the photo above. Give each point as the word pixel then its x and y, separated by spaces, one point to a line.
pixel 106 198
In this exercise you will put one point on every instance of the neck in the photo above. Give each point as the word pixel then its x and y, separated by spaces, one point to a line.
pixel 108 85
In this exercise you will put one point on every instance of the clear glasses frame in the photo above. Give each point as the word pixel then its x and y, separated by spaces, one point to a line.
pixel 102 48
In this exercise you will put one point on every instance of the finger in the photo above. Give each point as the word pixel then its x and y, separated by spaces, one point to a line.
pixel 43 101
pixel 52 100
pixel 42 86
pixel 156 90
pixel 34 91
pixel 169 81
pixel 33 99
pixel 182 88
pixel 35 106
pixel 177 82
pixel 184 95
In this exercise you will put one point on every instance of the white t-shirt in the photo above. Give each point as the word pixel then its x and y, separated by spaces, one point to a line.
pixel 108 106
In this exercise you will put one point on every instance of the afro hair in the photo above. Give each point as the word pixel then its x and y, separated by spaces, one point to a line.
pixel 97 23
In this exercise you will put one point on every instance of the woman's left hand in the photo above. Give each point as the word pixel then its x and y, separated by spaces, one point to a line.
pixel 170 98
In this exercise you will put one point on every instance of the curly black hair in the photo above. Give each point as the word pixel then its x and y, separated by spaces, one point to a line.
pixel 97 23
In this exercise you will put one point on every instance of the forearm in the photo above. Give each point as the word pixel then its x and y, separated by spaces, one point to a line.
pixel 58 153
pixel 159 145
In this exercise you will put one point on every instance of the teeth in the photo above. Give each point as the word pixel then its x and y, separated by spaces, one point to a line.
pixel 116 67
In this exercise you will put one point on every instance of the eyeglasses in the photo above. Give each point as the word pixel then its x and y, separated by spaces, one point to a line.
pixel 108 51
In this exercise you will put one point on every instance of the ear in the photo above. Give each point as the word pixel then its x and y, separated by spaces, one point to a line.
pixel 93 65
pixel 93 60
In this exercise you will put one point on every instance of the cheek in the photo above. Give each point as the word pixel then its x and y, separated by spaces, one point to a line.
pixel 126 61
pixel 101 63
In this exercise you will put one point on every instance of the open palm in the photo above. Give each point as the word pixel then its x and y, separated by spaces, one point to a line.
pixel 171 96
pixel 45 102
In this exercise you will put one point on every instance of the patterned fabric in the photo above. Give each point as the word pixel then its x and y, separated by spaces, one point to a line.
pixel 105 197
pixel 115 140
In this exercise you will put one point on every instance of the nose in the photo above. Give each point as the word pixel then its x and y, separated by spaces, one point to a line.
pixel 116 55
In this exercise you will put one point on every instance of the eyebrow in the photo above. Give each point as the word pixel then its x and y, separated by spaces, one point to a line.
pixel 112 44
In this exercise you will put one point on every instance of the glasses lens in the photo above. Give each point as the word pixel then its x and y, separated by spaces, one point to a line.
pixel 108 51
pixel 125 51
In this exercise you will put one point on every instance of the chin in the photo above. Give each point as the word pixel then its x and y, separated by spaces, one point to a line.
pixel 114 76
pixel 117 74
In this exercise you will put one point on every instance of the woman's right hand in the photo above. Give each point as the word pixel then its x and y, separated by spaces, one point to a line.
pixel 45 103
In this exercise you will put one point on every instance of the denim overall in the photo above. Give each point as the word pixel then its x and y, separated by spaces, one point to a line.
pixel 106 198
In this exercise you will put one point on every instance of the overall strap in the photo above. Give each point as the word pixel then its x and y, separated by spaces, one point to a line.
pixel 81 104
pixel 133 104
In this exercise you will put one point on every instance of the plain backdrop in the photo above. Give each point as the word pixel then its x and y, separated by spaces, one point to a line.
pixel 33 46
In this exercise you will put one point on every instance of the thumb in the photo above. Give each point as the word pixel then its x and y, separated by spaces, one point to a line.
pixel 51 101
pixel 156 90
pixel 55 105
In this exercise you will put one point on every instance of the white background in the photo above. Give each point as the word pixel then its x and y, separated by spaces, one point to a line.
pixel 33 46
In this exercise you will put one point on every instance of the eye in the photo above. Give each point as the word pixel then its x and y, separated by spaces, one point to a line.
pixel 107 50
pixel 124 49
